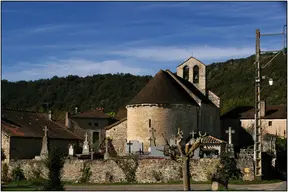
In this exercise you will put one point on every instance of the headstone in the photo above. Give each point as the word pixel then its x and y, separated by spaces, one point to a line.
pixel 85 150
pixel 92 154
pixel 156 151
pixel 215 186
pixel 71 150
pixel 173 141
pixel 196 154
pixel 152 138
pixel 133 147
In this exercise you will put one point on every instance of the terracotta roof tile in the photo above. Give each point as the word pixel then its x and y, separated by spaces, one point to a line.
pixel 31 124
pixel 247 112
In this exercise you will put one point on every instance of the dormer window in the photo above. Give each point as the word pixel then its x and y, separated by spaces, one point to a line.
pixel 186 73
pixel 196 74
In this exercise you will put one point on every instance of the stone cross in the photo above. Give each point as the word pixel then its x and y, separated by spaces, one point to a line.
pixel 230 131
pixel 71 150
pixel 45 131
pixel 129 144
pixel 44 149
pixel 86 136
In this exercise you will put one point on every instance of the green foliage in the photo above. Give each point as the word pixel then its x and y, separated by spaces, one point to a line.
pixel 5 170
pixel 86 173
pixel 227 169
pixel 54 164
pixel 128 165
pixel 111 114
pixel 232 81
pixel 18 174
pixel 281 156
pixel 158 176
pixel 37 178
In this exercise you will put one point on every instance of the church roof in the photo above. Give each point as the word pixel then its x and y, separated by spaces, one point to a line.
pixel 162 89
pixel 247 112
pixel 31 124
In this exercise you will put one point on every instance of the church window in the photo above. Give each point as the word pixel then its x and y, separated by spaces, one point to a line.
pixel 149 122
pixel 270 123
pixel 186 73
pixel 196 74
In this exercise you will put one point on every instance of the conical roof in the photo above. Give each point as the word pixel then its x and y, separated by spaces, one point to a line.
pixel 162 89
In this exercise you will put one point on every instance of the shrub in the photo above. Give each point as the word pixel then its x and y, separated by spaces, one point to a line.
pixel 158 176
pixel 86 173
pixel 3 156
pixel 227 169
pixel 37 179
pixel 18 174
pixel 54 163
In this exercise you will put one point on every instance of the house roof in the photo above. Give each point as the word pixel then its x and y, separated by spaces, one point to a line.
pixel 92 114
pixel 163 89
pixel 31 124
pixel 247 112
pixel 116 123
pixel 212 140
pixel 122 113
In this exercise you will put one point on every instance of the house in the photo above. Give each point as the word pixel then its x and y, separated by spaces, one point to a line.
pixel 22 133
pixel 167 102
pixel 241 119
pixel 91 122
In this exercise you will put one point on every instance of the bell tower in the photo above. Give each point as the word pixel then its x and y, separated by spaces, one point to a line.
pixel 193 71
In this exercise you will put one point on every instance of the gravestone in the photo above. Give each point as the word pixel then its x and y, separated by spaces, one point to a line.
pixel 71 150
pixel 85 150
pixel 173 141
pixel 156 151
pixel 133 146
pixel 196 154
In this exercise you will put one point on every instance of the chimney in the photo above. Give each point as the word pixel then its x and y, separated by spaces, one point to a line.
pixel 50 115
pixel 262 108
pixel 76 110
pixel 67 124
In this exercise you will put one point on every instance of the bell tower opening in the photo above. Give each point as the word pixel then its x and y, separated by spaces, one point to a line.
pixel 186 73
pixel 196 74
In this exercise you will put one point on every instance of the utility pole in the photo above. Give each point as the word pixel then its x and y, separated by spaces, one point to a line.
pixel 258 129
pixel 257 133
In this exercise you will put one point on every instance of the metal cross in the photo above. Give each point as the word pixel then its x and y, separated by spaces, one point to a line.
pixel 129 144
pixel 230 131
pixel 45 131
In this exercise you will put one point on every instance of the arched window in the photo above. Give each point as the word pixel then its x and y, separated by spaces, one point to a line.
pixel 196 74
pixel 186 73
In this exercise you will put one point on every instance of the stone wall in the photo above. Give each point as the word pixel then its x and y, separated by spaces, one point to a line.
pixel 147 170
pixel 5 144
pixel 191 62
pixel 118 133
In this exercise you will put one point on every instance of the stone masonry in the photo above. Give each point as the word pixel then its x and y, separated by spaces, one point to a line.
pixel 148 170
pixel 118 134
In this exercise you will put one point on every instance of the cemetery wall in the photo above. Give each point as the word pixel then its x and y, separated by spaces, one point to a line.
pixel 5 143
pixel 118 134
pixel 144 171
pixel 164 120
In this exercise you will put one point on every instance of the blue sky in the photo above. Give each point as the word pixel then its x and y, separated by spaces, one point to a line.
pixel 43 39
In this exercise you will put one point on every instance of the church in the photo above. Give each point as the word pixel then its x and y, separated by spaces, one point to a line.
pixel 169 101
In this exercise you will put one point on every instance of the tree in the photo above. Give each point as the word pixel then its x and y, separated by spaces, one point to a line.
pixel 3 156
pixel 54 164
pixel 183 152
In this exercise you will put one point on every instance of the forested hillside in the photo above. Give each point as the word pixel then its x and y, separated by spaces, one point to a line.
pixel 232 80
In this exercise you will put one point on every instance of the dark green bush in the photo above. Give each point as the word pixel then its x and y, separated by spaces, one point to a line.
pixel 18 174
pixel 5 169
pixel 86 173
pixel 54 163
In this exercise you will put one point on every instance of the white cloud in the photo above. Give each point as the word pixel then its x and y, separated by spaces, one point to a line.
pixel 181 53
pixel 64 67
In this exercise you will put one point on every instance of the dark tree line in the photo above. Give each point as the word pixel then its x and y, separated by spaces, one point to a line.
pixel 232 80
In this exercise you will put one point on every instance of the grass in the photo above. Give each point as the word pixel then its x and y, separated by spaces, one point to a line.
pixel 235 182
